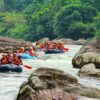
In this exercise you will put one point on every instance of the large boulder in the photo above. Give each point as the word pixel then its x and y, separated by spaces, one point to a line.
pixel 52 84
pixel 46 80
pixel 90 53
pixel 82 59
pixel 89 70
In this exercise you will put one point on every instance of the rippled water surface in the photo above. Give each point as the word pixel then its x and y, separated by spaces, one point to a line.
pixel 10 82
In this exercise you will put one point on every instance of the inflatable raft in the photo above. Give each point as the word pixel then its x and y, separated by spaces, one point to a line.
pixel 54 51
pixel 10 67
pixel 27 56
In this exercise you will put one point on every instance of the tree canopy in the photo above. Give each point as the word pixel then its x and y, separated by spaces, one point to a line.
pixel 35 19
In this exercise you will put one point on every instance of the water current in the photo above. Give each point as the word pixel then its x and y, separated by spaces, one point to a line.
pixel 10 82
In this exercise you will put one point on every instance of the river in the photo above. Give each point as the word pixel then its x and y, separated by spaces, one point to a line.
pixel 10 82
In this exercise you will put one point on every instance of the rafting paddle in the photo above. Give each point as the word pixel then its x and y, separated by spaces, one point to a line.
pixel 66 49
pixel 28 67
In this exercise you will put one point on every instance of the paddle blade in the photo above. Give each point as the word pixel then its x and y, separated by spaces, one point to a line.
pixel 28 67
pixel 66 49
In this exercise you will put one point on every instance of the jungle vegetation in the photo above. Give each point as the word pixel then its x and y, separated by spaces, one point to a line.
pixel 35 19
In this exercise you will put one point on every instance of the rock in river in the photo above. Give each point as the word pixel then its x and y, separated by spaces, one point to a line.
pixel 89 53
pixel 53 84
pixel 46 83
pixel 89 70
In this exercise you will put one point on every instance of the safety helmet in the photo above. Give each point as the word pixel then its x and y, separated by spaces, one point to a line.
pixel 22 48
pixel 31 48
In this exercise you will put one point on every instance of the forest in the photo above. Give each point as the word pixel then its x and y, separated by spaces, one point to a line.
pixel 34 19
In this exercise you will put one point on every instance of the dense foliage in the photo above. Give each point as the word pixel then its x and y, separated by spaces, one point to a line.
pixel 35 19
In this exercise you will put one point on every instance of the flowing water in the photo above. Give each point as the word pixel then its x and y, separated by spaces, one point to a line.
pixel 10 82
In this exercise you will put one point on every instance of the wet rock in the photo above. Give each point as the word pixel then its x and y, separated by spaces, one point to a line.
pixel 89 53
pixel 53 84
pixel 89 70
pixel 83 91
pixel 46 84
pixel 82 59
pixel 53 74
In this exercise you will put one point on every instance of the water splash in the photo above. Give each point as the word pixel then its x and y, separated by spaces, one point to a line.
pixel 10 82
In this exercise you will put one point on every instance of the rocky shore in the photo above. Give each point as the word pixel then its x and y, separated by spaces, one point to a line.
pixel 9 45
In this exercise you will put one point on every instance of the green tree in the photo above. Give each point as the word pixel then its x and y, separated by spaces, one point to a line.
pixel 70 15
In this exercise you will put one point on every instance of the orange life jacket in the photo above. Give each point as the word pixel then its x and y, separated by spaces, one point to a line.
pixel 20 51
pixel 18 62
pixel 49 46
pixel 58 46
pixel 42 46
pixel 4 61
pixel 31 52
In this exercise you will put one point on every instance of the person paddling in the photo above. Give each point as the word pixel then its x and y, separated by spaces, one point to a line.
pixel 9 58
pixel 26 48
pixel 21 50
pixel 4 59
pixel 48 45
pixel 31 51
pixel 54 45
pixel 18 60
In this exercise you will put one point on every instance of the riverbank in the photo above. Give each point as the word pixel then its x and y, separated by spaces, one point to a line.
pixel 9 44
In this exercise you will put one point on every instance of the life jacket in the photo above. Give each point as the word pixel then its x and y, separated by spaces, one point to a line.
pixel 62 47
pixel 21 50
pixel 9 59
pixel 42 46
pixel 31 52
pixel 4 61
pixel 14 61
pixel 18 62
pixel 49 46
pixel 58 46
pixel 54 45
